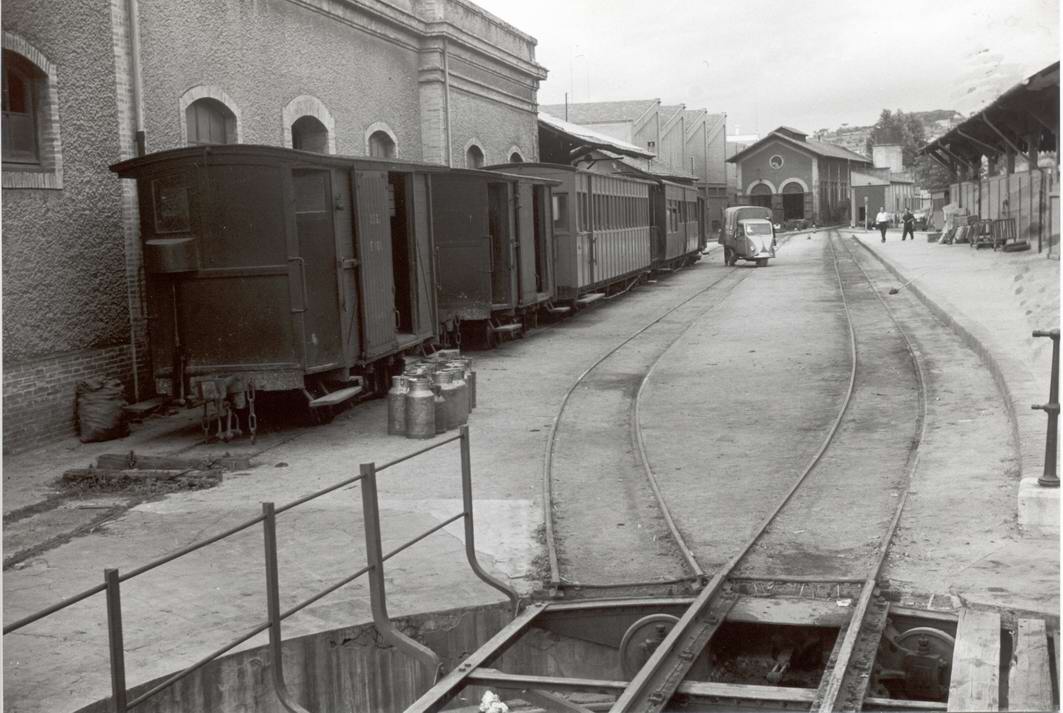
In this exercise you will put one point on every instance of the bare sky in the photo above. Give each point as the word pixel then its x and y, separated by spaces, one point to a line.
pixel 809 64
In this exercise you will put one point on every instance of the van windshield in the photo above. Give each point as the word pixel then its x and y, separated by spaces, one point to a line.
pixel 757 228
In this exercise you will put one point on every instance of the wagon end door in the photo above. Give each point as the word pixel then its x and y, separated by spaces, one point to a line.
pixel 463 247
pixel 375 271
pixel 527 242
pixel 502 227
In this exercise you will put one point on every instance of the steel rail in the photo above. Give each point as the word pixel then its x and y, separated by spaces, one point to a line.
pixel 547 488
pixel 837 677
pixel 636 698
pixel 551 438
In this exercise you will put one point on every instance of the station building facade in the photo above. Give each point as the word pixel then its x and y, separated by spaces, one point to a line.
pixel 92 82
pixel 797 177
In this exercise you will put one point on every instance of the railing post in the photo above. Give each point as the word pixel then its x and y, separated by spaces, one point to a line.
pixel 377 593
pixel 1050 479
pixel 269 533
pixel 470 525
pixel 115 639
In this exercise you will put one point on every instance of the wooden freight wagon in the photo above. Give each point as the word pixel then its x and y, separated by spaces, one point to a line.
pixel 283 269
pixel 602 228
pixel 494 251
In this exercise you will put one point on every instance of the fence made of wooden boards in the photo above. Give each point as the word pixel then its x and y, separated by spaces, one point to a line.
pixel 1027 197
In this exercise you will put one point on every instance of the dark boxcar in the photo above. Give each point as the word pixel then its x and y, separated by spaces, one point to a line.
pixel 281 268
pixel 678 216
pixel 601 226
pixel 494 247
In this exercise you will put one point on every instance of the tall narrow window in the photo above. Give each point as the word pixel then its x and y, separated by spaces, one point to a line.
pixel 309 134
pixel 474 157
pixel 381 145
pixel 210 122
pixel 21 104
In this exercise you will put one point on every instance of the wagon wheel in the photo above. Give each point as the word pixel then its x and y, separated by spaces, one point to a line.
pixel 762 262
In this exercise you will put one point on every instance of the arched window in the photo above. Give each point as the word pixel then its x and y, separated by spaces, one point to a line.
pixel 21 105
pixel 516 158
pixel 209 121
pixel 381 145
pixel 32 149
pixel 474 157
pixel 309 134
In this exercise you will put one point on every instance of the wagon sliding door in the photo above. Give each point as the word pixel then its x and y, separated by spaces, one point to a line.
pixel 322 344
pixel 376 278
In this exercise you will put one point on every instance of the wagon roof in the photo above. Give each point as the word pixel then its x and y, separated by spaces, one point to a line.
pixel 221 152
pixel 521 167
pixel 496 173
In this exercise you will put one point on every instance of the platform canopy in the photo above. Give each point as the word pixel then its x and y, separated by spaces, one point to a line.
pixel 1022 120
pixel 581 140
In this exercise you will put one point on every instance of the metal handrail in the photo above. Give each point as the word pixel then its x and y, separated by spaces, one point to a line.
pixel 371 515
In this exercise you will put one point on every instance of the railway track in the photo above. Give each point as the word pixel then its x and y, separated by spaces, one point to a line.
pixel 595 439
pixel 864 463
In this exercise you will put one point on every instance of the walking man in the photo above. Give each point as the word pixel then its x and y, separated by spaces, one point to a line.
pixel 883 221
pixel 909 224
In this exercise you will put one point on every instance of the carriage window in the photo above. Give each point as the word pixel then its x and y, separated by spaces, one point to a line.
pixel 560 211
pixel 170 195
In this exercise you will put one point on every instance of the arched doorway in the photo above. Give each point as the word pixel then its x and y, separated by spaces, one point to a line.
pixel 309 134
pixel 793 201
pixel 760 195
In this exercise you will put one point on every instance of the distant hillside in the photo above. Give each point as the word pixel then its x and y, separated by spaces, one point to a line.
pixel 935 123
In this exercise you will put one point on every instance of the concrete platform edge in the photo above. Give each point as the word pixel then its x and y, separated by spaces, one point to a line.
pixel 1029 445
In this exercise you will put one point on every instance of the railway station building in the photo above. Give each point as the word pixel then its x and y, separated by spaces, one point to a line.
pixel 797 177
pixel 685 142
pixel 91 82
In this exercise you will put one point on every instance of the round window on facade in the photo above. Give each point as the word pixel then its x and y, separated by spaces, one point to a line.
pixel 776 162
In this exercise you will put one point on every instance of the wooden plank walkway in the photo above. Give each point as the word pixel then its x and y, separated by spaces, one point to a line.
pixel 1030 678
pixel 975 682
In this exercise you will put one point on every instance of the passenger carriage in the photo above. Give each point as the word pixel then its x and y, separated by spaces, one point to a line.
pixel 271 269
pixel 679 224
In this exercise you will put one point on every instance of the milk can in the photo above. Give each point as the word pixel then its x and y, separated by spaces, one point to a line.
pixel 447 403
pixel 397 406
pixel 420 409
pixel 470 379
pixel 461 393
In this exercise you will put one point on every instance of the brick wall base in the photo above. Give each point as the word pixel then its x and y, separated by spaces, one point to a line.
pixel 39 401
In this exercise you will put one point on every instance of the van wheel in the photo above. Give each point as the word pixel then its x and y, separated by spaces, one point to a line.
pixel 762 262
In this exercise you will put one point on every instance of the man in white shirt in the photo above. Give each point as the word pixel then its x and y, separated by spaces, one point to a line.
pixel 883 221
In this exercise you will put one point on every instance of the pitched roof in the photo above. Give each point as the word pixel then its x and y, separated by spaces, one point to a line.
pixel 600 112
pixel 588 137
pixel 820 148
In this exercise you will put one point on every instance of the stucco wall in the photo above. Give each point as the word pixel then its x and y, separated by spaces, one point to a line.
pixel 265 53
pixel 66 315
pixel 63 264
